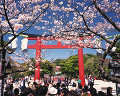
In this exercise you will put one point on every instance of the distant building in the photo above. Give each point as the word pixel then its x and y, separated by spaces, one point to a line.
pixel 57 70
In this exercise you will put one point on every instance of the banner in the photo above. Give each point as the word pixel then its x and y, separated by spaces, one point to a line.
pixel 13 44
pixel 24 44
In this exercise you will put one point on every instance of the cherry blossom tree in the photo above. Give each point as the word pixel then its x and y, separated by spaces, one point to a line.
pixel 66 21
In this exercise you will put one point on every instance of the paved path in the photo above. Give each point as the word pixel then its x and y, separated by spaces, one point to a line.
pixel 102 85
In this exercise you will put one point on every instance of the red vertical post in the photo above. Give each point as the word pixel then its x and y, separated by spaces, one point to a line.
pixel 81 66
pixel 38 59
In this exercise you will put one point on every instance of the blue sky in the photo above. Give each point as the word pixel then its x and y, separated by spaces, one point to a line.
pixel 65 53
pixel 52 54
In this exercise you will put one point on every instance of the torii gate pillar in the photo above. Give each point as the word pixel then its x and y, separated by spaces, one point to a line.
pixel 38 58
pixel 81 66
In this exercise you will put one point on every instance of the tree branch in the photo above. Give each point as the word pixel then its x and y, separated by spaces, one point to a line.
pixel 7 18
pixel 105 16
pixel 25 29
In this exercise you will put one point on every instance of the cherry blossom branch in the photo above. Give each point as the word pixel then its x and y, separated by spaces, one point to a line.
pixel 19 12
pixel 88 29
pixel 105 16
pixel 2 42
pixel 5 32
pixel 11 2
pixel 5 74
pixel 2 14
pixel 7 17
pixel 95 32
pixel 63 22
pixel 33 21
pixel 110 47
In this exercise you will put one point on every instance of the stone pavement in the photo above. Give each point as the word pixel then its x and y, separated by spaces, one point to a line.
pixel 101 85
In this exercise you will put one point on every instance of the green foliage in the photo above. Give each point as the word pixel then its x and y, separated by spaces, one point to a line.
pixel 70 67
pixel 28 73
pixel 33 61
pixel 27 66
pixel 16 75
pixel 57 61
pixel 91 63
pixel 47 67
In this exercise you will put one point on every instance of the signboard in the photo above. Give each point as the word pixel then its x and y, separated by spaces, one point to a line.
pixel 57 73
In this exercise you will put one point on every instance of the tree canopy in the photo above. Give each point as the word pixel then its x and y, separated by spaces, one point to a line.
pixel 69 66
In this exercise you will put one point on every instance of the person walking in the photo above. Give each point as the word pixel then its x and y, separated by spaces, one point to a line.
pixel 23 81
pixel 66 82
pixel 93 78
pixel 49 80
pixel 59 80
pixel 79 81
pixel 92 90
pixel 109 91
pixel 16 92
pixel 45 81
pixel 79 90
pixel 72 81
pixel 89 81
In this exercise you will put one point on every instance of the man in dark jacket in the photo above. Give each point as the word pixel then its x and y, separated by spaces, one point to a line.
pixel 92 90
pixel 59 80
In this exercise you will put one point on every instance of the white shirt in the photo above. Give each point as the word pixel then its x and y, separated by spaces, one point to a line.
pixel 72 81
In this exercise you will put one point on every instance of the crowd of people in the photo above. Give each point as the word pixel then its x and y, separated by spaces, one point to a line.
pixel 46 87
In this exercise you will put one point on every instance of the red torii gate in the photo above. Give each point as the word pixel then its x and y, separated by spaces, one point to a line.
pixel 38 46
